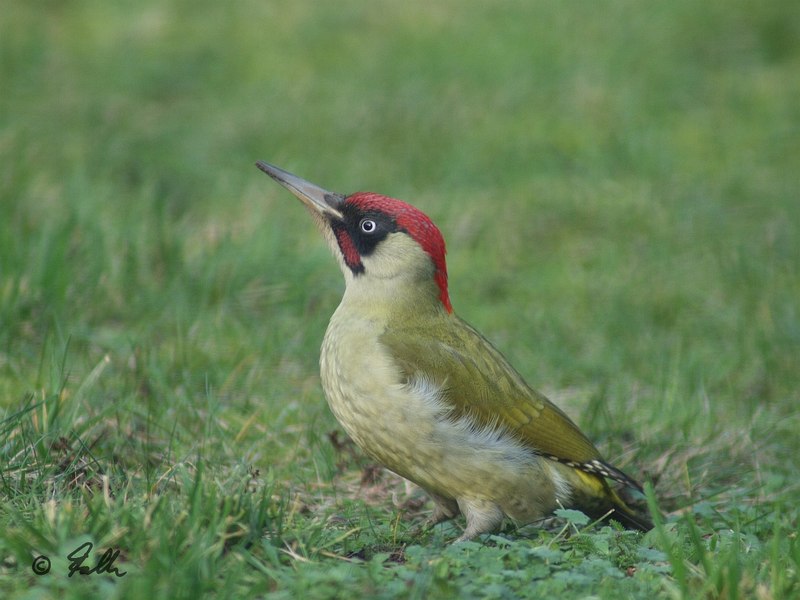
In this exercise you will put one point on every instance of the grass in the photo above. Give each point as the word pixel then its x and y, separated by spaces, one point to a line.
pixel 618 187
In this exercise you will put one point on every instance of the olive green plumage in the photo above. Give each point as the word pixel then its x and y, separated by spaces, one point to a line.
pixel 426 395
pixel 479 383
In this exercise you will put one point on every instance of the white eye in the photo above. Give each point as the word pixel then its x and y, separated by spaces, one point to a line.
pixel 368 225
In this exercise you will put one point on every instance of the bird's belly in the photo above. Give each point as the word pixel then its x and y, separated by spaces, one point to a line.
pixel 406 426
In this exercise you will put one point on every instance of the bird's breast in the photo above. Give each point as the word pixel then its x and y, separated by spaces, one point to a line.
pixel 404 422
pixel 365 389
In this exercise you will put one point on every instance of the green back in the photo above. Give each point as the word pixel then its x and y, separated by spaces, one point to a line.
pixel 478 382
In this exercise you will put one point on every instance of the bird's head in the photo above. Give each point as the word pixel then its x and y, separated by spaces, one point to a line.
pixel 379 241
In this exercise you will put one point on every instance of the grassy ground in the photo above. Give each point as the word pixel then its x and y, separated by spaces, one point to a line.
pixel 618 184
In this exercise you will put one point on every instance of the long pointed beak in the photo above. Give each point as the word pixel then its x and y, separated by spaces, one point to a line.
pixel 314 197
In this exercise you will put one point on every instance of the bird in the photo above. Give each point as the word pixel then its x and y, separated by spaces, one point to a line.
pixel 427 396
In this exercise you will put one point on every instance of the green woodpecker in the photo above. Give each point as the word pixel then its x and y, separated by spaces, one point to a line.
pixel 425 394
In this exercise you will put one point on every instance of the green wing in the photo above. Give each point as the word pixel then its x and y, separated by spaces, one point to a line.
pixel 480 383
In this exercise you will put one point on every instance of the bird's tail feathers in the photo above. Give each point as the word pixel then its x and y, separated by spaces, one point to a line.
pixel 627 516
pixel 601 501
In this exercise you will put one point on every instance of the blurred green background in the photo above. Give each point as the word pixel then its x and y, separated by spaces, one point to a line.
pixel 618 184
